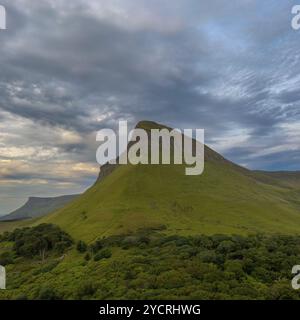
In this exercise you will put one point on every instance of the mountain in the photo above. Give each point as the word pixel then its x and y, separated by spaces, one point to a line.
pixel 226 198
pixel 187 259
pixel 37 207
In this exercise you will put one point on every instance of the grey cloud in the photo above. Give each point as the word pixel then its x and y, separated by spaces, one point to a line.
pixel 80 66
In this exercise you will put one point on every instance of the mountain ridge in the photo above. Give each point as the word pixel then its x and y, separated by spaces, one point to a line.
pixel 38 206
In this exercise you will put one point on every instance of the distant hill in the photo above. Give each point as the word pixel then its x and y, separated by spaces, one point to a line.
pixel 226 198
pixel 37 207
pixel 289 179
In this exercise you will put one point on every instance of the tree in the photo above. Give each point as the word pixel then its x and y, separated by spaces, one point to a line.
pixel 103 254
pixel 81 246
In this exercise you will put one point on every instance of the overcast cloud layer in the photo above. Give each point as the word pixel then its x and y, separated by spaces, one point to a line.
pixel 70 68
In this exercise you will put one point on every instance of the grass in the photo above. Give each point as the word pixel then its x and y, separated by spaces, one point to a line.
pixel 222 200
pixel 11 225
pixel 225 199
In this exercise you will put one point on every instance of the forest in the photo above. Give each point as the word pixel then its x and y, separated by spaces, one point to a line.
pixel 43 262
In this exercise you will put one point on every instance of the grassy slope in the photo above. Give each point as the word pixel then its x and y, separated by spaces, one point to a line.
pixel 222 200
pixel 226 198
pixel 9 226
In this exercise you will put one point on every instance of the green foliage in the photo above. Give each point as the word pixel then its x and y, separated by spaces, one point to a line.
pixel 164 267
pixel 103 254
pixel 87 257
pixel 6 258
pixel 62 246
pixel 96 246
pixel 37 241
pixel 47 293
pixel 46 268
pixel 81 246
pixel 86 290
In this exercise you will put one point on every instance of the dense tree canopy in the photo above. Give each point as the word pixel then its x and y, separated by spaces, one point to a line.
pixel 149 264
pixel 37 241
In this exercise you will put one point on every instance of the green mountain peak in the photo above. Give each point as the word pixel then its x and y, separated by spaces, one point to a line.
pixel 226 198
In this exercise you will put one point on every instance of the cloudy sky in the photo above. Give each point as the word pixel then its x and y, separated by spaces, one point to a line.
pixel 70 68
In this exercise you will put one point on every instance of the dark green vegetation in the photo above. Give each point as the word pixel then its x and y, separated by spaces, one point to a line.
pixel 37 207
pixel 151 265
pixel 34 242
